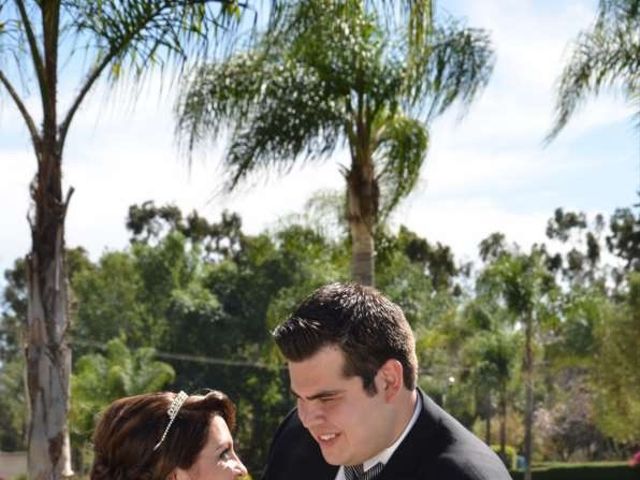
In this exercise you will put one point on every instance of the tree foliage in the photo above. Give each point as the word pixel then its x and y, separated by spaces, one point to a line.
pixel 617 370
pixel 100 378
pixel 330 73
pixel 528 291
pixel 36 40
pixel 206 309
pixel 607 54
pixel 624 241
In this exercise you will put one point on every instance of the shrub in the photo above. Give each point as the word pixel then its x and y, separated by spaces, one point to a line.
pixel 511 455
pixel 583 471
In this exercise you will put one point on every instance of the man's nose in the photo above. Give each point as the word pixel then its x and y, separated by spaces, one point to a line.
pixel 309 414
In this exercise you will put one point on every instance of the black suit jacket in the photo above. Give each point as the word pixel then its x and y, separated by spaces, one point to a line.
pixel 438 447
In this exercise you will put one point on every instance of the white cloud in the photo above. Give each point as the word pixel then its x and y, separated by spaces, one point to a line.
pixel 14 197
pixel 462 223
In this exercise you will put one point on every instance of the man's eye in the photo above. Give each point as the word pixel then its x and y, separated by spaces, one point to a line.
pixel 327 399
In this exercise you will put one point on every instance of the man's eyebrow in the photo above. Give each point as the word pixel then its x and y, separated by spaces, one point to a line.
pixel 319 395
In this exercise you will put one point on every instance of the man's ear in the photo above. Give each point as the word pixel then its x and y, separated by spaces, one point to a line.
pixel 390 378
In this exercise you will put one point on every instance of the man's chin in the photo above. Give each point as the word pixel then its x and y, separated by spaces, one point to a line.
pixel 332 461
pixel 331 458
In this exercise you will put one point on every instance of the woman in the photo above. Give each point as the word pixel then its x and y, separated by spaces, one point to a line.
pixel 167 436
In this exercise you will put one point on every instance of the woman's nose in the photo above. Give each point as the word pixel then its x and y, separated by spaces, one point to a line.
pixel 239 468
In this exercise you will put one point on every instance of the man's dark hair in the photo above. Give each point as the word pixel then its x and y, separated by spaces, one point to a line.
pixel 368 327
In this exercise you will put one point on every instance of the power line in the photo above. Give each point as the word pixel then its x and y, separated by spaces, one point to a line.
pixel 192 358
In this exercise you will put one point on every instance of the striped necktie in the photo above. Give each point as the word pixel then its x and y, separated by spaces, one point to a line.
pixel 356 472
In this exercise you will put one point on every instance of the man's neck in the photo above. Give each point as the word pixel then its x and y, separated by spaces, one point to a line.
pixel 406 408
pixel 410 407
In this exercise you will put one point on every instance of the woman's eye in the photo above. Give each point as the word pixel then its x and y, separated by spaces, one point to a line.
pixel 225 455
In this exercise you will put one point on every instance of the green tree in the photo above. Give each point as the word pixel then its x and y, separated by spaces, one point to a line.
pixel 13 424
pixel 100 378
pixel 624 241
pixel 333 72
pixel 14 310
pixel 35 37
pixel 528 290
pixel 489 357
pixel 148 223
pixel 617 369
pixel 107 298
pixel 154 295
pixel 607 54
pixel 579 264
pixel 189 275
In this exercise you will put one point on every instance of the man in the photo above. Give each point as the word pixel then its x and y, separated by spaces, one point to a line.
pixel 353 370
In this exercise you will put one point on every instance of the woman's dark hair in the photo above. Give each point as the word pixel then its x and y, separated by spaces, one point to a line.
pixel 130 427
pixel 368 327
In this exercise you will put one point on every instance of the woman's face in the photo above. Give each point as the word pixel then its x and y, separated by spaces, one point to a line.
pixel 217 460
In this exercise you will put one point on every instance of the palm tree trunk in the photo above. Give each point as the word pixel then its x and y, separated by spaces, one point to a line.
pixel 487 419
pixel 503 424
pixel 528 375
pixel 48 353
pixel 362 247
pixel 487 430
pixel 362 194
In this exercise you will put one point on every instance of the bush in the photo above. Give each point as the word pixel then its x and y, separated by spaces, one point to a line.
pixel 511 455
pixel 583 471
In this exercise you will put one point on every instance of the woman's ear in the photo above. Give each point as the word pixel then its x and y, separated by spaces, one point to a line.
pixel 390 378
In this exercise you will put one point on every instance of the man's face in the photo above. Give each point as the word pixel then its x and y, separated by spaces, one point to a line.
pixel 349 425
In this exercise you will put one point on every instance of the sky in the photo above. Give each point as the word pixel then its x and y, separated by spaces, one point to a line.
pixel 489 171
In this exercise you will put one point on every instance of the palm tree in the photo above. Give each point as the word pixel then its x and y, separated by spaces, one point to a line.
pixel 332 73
pixel 35 38
pixel 528 291
pixel 490 353
pixel 605 55
pixel 98 379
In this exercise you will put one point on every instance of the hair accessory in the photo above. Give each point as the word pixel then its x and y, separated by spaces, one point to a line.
pixel 174 408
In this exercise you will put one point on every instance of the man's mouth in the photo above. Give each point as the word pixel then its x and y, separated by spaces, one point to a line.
pixel 326 438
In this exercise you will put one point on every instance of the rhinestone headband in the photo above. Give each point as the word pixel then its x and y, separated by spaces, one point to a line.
pixel 174 408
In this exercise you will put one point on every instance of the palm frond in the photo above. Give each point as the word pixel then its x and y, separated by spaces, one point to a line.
pixel 402 150
pixel 608 54
pixel 142 33
pixel 217 93
pixel 295 119
pixel 459 66
pixel 277 112
pixel 329 70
